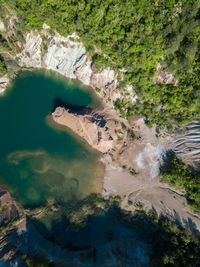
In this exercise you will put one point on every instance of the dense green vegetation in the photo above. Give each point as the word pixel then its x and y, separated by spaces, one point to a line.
pixel 3 68
pixel 176 173
pixel 135 35
pixel 172 246
pixel 175 247
pixel 34 262
pixel 100 61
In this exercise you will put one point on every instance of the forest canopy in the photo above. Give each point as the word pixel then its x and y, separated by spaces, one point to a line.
pixel 181 176
pixel 136 35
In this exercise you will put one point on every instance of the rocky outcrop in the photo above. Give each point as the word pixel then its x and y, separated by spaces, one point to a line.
pixel 99 131
pixel 2 26
pixel 3 83
pixel 187 144
pixel 68 56
pixel 31 56
pixel 65 55
pixel 9 211
pixel 163 77
pixel 104 78
pixel 10 214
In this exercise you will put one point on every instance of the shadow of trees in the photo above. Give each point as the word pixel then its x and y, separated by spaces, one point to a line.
pixel 106 236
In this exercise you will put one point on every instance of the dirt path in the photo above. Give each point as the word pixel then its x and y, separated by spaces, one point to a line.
pixel 145 189
pixel 151 195
pixel 85 132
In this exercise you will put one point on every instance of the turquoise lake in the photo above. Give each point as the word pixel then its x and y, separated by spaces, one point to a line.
pixel 40 161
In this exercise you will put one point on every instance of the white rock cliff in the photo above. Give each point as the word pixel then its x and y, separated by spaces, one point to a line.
pixel 65 55
pixel 3 83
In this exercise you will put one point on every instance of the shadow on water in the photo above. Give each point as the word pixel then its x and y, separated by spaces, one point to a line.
pixel 76 109
pixel 110 237
pixel 105 239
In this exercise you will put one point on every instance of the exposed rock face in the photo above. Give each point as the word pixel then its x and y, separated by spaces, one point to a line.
pixel 104 78
pixel 3 83
pixel 163 77
pixel 10 214
pixel 132 95
pixel 187 144
pixel 107 82
pixel 31 56
pixel 9 211
pixel 67 57
pixel 2 26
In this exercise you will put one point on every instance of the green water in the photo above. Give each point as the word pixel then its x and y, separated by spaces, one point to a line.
pixel 40 161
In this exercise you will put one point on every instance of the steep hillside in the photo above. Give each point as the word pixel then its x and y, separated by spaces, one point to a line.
pixel 134 36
